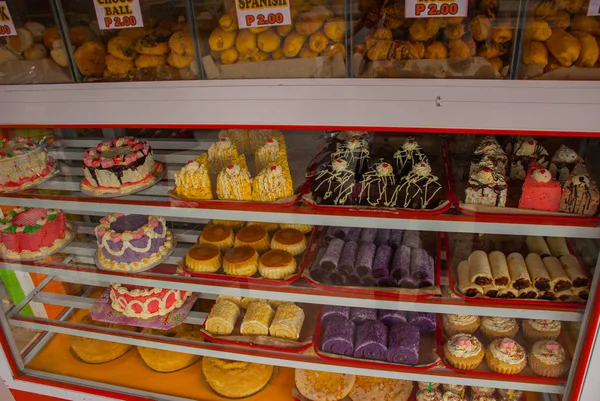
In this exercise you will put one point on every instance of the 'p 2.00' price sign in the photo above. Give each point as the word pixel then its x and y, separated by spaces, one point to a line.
pixel 262 13
pixel 118 14
pixel 7 26
pixel 435 8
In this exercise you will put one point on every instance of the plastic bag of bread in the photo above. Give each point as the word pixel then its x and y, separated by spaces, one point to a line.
pixel 535 53
pixel 565 47
pixel 589 49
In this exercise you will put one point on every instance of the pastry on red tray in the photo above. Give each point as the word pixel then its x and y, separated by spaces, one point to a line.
pixel 580 194
pixel 540 191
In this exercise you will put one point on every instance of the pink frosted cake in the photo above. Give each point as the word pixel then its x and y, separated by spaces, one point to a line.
pixel 145 302
pixel 23 164
pixel 27 233
pixel 541 191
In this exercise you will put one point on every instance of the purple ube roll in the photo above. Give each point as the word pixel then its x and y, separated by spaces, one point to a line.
pixel 408 282
pixel 338 336
pixel 330 311
pixel 354 280
pixel 336 278
pixel 364 259
pixel 401 263
pixel 330 259
pixel 428 280
pixel 403 344
pixel 368 281
pixel 368 235
pixel 391 317
pixel 318 274
pixel 382 237
pixel 385 282
pixel 360 315
pixel 421 267
pixel 381 262
pixel 371 341
pixel 341 232
pixel 424 321
pixel 396 238
pixel 412 239
pixel 354 234
pixel 346 264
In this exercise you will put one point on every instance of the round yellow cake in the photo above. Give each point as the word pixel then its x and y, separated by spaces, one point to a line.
pixel 169 361
pixel 217 235
pixel 203 258
pixel 235 379
pixel 241 261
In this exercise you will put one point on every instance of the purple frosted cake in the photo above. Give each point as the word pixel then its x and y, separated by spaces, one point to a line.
pixel 403 344
pixel 132 242
pixel 424 321
pixel 334 310
pixel 346 264
pixel 391 317
pixel 330 259
pixel 338 336
pixel 381 263
pixel 360 315
pixel 371 341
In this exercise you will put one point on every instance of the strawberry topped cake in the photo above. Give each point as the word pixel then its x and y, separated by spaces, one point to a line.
pixel 122 165
pixel 29 233
pixel 145 302
pixel 541 191
pixel 23 164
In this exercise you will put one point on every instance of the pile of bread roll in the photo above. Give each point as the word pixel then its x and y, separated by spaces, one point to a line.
pixel 548 272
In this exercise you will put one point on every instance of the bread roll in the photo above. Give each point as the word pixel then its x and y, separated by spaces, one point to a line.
pixel 537 272
pixel 518 271
pixel 537 245
pixel 558 246
pixel 559 280
pixel 499 269
pixel 528 293
pixel 465 286
pixel 508 293
pixel 480 269
pixel 575 272
pixel 490 291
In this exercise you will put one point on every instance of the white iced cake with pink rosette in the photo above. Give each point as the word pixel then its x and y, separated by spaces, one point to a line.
pixel 121 164
pixel 145 302
pixel 23 164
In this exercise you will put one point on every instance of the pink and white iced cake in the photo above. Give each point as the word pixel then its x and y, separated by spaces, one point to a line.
pixel 132 242
pixel 145 302
pixel 23 164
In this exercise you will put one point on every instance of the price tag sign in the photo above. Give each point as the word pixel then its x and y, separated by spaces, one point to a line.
pixel 118 14
pixel 594 8
pixel 436 8
pixel 7 26
pixel 262 13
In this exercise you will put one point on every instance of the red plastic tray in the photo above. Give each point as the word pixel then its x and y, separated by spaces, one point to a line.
pixel 376 294
pixel 485 300
pixel 367 363
pixel 503 217
pixel 493 375
pixel 258 280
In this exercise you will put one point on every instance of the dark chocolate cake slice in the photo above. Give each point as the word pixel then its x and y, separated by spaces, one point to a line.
pixel 378 185
pixel 418 190
pixel 334 185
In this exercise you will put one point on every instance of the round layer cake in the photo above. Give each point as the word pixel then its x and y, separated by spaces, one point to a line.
pixel 23 164
pixel 145 302
pixel 28 233
pixel 132 242
pixel 123 163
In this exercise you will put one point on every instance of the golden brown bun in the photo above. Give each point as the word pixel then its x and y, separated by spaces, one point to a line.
pixel 255 236
pixel 239 254
pixel 169 361
pixel 235 379
pixel 218 235
pixel 241 261
pixel 98 351
pixel 91 58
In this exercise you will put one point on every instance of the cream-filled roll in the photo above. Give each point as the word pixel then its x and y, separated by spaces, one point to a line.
pixel 537 245
pixel 574 270
pixel 518 271
pixel 499 268
pixel 480 270
pixel 465 286
pixel 537 272
pixel 559 280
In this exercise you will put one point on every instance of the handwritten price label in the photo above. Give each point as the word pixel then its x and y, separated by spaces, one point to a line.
pixel 262 13
pixel 118 14
pixel 594 8
pixel 7 26
pixel 436 8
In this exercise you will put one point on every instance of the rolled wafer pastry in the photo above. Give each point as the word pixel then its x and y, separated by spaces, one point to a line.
pixel 549 295
pixel 566 295
pixel 490 291
pixel 257 320
pixel 537 272
pixel 528 293
pixel 508 293
pixel 537 245
pixel 465 286
pixel 499 268
pixel 559 280
pixel 518 271
pixel 245 303
pixel 222 317
pixel 287 322
pixel 558 246
pixel 480 270
pixel 582 292
pixel 575 271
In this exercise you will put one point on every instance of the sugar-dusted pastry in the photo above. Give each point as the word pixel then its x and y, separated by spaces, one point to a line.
pixel 366 235
pixel 246 301
pixel 537 245
pixel 575 272
pixel 499 267
pixel 506 356
pixel 217 235
pixel 580 194
pixel 558 246
pixel 240 261
pixel 232 298
pixel 272 183
pixel 334 185
pixel 409 155
pixel 290 240
pixel 234 181
pixel 524 153
pixel 424 321
pixel 98 351
pixel 455 324
pixel 486 187
pixel 338 336
pixel 403 345
pixel 464 351
pixel 255 236
pixel 382 260
pixel 331 258
pixel 498 327
pixel 391 317
pixel 239 137
pixel 257 319
pixel 371 341
pixel 559 280
pixel 537 271
pixel 303 228
pixel 378 388
pixel 203 258
pixel 419 189
pixel 548 358
pixel 348 258
pixel 563 163
pixel 193 181
pixel 269 152
pixel 221 154
pixel 480 269
pixel 465 285
pixel 170 361
pixel 276 264
pixel 422 268
pixel 323 386
pixel 330 311
pixel 287 322
pixel 222 318
pixel 518 271
pixel 540 329
pixel 540 190
pixel 364 261
pixel 360 315
pixel 233 379
pixel 400 267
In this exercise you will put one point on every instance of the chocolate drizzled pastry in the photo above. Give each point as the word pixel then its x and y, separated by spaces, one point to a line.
pixel 355 152
pixel 409 155
pixel 486 187
pixel 419 189
pixel 378 185
pixel 580 194
pixel 525 152
pixel 490 153
pixel 334 185
pixel 563 163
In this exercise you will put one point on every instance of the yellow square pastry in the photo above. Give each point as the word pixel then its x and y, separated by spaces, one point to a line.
pixel 221 154
pixel 269 152
pixel 234 182
pixel 239 137
pixel 193 180
pixel 273 182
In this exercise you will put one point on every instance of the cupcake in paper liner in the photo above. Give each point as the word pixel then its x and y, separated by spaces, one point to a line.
pixel 506 356
pixel 455 324
pixel 549 359
pixel 464 351
pixel 541 329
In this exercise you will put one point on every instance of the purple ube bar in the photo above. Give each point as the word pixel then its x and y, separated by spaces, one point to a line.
pixel 330 311
pixel 412 239
pixel 391 317
pixel 354 234
pixel 401 263
pixel 382 237
pixel 338 336
pixel 385 282
pixel 396 238
pixel 368 235
pixel 354 280
pixel 330 259
pixel 403 344
pixel 421 267
pixel 424 321
pixel 346 265
pixel 360 315
pixel 364 259
pixel 381 263
pixel 371 341
pixel 341 232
